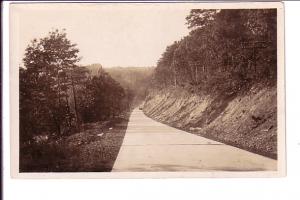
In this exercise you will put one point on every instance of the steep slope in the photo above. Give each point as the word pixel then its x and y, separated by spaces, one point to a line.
pixel 246 120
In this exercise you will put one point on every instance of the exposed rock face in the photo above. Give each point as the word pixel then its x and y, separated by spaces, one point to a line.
pixel 247 121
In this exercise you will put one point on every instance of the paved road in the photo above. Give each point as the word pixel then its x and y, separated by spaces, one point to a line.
pixel 152 146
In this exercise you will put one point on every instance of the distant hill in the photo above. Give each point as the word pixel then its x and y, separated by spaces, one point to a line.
pixel 131 76
pixel 94 69
pixel 134 79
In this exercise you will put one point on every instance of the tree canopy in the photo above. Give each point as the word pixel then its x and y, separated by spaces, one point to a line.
pixel 57 95
pixel 226 49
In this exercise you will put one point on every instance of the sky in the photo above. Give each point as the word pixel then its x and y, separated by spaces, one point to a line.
pixel 109 34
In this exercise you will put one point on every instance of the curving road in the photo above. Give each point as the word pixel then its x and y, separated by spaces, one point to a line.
pixel 152 146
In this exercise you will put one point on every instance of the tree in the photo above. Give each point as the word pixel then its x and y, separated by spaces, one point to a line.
pixel 199 18
pixel 44 84
pixel 102 98
pixel 78 77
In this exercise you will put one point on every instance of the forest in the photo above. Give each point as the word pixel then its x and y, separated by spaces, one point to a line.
pixel 226 50
pixel 59 98
pixel 134 80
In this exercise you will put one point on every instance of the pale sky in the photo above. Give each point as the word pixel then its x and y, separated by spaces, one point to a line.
pixel 109 34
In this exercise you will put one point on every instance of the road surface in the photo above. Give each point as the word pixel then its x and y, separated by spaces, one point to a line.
pixel 152 146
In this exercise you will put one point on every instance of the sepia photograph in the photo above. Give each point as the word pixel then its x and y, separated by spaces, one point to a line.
pixel 147 90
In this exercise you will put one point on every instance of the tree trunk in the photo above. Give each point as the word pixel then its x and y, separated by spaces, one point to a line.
pixel 69 111
pixel 58 93
pixel 75 102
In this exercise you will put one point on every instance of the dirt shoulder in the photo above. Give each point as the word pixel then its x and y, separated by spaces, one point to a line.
pixel 94 149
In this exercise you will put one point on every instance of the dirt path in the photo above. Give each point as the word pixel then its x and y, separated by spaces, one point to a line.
pixel 152 146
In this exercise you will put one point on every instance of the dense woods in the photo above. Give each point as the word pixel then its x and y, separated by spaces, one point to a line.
pixel 225 50
pixel 57 96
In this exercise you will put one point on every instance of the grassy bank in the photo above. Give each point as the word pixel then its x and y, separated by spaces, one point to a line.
pixel 94 149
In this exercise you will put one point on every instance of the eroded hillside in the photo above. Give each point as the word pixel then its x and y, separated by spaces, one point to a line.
pixel 246 120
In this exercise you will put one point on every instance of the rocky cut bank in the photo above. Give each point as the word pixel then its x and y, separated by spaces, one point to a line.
pixel 245 120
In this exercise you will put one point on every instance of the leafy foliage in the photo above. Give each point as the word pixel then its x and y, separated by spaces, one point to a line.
pixel 102 98
pixel 57 95
pixel 225 50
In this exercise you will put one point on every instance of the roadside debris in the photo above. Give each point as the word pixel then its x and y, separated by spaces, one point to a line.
pixel 100 134
pixel 195 129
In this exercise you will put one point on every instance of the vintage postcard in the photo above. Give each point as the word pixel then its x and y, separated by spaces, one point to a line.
pixel 147 90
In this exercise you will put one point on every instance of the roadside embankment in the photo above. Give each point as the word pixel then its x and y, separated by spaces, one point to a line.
pixel 247 120
pixel 93 149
